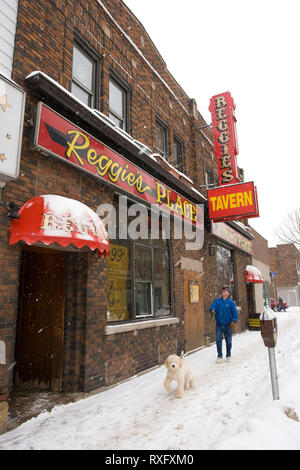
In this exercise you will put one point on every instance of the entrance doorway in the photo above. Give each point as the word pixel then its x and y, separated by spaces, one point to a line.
pixel 194 312
pixel 40 328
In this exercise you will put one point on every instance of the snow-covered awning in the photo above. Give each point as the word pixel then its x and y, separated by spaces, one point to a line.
pixel 52 219
pixel 252 274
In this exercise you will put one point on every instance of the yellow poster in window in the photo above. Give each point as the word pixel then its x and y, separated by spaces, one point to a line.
pixel 194 293
pixel 119 284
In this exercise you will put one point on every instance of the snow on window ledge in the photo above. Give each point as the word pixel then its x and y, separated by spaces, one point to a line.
pixel 141 325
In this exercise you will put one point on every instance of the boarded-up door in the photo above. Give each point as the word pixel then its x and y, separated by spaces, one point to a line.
pixel 194 312
pixel 39 344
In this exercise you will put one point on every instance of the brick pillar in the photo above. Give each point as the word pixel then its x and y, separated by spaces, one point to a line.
pixel 93 368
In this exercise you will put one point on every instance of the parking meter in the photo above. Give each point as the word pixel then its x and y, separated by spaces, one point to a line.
pixel 268 329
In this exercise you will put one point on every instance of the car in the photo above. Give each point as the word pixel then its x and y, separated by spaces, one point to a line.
pixel 274 304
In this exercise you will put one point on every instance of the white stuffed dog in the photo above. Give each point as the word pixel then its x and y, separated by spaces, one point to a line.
pixel 180 371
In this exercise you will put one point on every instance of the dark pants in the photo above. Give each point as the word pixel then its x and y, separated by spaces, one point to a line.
pixel 226 330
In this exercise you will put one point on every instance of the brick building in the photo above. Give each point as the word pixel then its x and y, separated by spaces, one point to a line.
pixel 261 261
pixel 104 123
pixel 285 261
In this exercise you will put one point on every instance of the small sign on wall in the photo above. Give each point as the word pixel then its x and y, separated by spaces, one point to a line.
pixel 2 352
pixel 194 293
pixel 12 103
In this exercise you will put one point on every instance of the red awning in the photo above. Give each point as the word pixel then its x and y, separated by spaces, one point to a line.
pixel 55 219
pixel 252 274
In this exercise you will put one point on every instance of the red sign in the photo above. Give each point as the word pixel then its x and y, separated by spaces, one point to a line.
pixel 230 235
pixel 232 202
pixel 224 136
pixel 56 219
pixel 61 138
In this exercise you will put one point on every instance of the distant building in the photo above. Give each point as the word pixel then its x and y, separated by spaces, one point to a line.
pixel 285 261
pixel 261 261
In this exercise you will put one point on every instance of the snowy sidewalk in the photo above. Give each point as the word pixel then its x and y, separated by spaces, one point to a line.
pixel 231 406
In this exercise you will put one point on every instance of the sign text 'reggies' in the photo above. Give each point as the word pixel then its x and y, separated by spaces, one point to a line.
pixel 224 135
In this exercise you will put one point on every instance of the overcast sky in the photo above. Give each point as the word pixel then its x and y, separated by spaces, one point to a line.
pixel 251 49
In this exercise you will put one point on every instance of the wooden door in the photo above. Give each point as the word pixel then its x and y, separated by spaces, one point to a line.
pixel 39 343
pixel 194 311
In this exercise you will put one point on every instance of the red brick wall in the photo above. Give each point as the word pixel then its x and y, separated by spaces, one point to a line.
pixel 260 247
pixel 283 260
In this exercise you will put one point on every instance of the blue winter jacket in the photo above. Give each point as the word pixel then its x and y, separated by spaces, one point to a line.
pixel 226 311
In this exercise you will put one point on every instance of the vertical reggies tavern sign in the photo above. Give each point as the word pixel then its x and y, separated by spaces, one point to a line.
pixel 55 135
pixel 232 199
pixel 224 136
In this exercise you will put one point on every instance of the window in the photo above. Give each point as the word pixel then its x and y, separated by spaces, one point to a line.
pixel 143 280
pixel 161 282
pixel 226 272
pixel 118 104
pixel 210 179
pixel 178 155
pixel 161 139
pixel 83 77
pixel 138 279
pixel 119 286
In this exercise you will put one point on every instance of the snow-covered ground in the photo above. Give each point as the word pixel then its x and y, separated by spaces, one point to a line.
pixel 231 406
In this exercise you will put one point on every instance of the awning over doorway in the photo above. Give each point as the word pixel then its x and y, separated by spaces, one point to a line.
pixel 252 274
pixel 52 219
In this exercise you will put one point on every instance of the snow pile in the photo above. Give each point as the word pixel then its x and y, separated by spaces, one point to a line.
pixel 231 406
pixel 267 314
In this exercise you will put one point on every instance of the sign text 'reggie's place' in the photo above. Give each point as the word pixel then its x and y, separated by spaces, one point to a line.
pixel 59 137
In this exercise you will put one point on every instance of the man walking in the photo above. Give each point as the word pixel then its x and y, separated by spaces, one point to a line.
pixel 226 316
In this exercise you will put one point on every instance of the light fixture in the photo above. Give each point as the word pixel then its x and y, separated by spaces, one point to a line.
pixel 211 249
pixel 13 210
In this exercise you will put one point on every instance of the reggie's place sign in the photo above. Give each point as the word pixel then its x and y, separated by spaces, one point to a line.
pixel 59 137
pixel 232 202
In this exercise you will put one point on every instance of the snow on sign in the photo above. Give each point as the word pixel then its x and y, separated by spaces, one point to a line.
pixel 12 102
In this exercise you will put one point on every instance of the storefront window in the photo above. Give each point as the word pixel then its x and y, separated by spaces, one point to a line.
pixel 138 279
pixel 226 276
pixel 119 285
pixel 161 282
pixel 143 280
